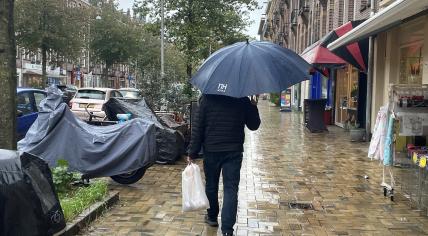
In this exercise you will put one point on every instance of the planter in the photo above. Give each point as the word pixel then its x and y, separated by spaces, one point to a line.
pixel 357 135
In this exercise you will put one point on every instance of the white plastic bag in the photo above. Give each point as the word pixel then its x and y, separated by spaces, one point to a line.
pixel 193 189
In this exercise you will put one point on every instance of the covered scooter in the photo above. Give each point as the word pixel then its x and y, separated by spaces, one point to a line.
pixel 122 151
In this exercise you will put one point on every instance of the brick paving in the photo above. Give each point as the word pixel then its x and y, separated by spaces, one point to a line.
pixel 283 164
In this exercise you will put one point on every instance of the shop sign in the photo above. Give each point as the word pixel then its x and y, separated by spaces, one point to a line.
pixel 37 67
pixel 32 66
pixel 286 99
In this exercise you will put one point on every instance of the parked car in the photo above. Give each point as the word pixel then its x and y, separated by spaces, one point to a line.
pixel 27 107
pixel 68 91
pixel 132 93
pixel 92 99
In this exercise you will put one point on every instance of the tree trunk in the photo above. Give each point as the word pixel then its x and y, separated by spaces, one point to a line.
pixel 7 77
pixel 105 75
pixel 44 73
pixel 189 70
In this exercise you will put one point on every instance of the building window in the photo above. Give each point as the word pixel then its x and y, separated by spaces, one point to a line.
pixel 350 10
pixel 341 10
pixel 330 15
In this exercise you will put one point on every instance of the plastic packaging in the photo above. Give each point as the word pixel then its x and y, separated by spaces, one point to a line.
pixel 193 189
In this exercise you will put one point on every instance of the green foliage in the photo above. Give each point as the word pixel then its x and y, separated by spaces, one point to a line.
pixel 196 26
pixel 51 26
pixel 74 203
pixel 62 178
pixel 159 91
pixel 114 38
pixel 275 98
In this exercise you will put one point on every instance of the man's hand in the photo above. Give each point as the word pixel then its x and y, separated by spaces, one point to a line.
pixel 254 100
pixel 189 160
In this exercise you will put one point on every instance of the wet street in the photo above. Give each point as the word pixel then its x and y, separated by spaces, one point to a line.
pixel 285 167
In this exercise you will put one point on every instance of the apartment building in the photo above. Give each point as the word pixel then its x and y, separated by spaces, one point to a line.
pixel 399 29
pixel 400 32
pixel 302 25
pixel 82 72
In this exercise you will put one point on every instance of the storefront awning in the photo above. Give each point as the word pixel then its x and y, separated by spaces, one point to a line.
pixel 354 54
pixel 387 18
pixel 316 54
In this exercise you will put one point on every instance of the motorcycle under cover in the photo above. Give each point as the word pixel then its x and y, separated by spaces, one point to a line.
pixel 170 143
pixel 29 204
pixel 94 151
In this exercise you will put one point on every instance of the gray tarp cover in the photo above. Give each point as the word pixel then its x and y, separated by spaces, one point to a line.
pixel 170 143
pixel 94 151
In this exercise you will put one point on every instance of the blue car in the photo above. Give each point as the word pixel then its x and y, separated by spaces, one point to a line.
pixel 27 101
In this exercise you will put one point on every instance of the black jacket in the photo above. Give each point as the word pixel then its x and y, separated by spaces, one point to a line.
pixel 218 125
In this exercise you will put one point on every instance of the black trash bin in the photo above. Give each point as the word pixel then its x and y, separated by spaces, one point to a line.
pixel 314 114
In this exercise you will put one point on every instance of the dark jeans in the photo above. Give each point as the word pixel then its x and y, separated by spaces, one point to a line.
pixel 229 163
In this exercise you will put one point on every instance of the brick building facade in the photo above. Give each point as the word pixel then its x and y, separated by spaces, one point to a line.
pixel 299 24
pixel 296 24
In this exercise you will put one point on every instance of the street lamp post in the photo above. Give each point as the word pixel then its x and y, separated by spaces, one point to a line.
pixel 89 51
pixel 162 39
pixel 89 54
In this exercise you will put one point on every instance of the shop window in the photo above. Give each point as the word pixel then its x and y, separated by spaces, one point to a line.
pixel 411 64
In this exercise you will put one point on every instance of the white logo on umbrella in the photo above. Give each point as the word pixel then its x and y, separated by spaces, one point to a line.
pixel 222 88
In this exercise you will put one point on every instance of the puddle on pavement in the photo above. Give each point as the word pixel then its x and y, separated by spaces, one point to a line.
pixel 300 205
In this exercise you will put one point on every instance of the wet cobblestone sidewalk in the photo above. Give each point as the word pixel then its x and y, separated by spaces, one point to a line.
pixel 282 164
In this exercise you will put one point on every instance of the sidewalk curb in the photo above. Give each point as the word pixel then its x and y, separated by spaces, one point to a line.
pixel 89 215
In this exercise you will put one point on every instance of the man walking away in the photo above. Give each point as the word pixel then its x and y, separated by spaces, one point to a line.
pixel 218 128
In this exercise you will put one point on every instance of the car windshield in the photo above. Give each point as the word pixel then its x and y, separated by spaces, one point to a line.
pixel 91 94
pixel 71 88
pixel 130 94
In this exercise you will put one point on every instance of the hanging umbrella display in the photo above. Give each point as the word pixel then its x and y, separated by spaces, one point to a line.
pixel 249 68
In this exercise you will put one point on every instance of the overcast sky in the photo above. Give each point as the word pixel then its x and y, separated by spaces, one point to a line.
pixel 254 16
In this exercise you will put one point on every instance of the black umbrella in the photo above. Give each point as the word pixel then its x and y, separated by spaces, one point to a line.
pixel 249 68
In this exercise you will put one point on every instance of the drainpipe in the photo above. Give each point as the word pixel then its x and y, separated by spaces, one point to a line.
pixel 370 73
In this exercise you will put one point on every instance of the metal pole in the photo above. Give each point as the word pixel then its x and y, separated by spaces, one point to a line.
pixel 370 78
pixel 21 76
pixel 89 54
pixel 162 39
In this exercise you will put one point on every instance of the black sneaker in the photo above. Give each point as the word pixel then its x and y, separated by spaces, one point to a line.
pixel 227 234
pixel 213 223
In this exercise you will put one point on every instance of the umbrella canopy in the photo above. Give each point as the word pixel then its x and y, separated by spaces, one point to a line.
pixel 249 68
pixel 356 53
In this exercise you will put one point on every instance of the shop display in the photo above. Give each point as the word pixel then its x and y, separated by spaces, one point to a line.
pixel 407 116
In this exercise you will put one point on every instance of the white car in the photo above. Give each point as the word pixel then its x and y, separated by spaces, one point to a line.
pixel 131 93
pixel 93 99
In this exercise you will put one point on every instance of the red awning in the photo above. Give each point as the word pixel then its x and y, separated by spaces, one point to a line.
pixel 317 54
